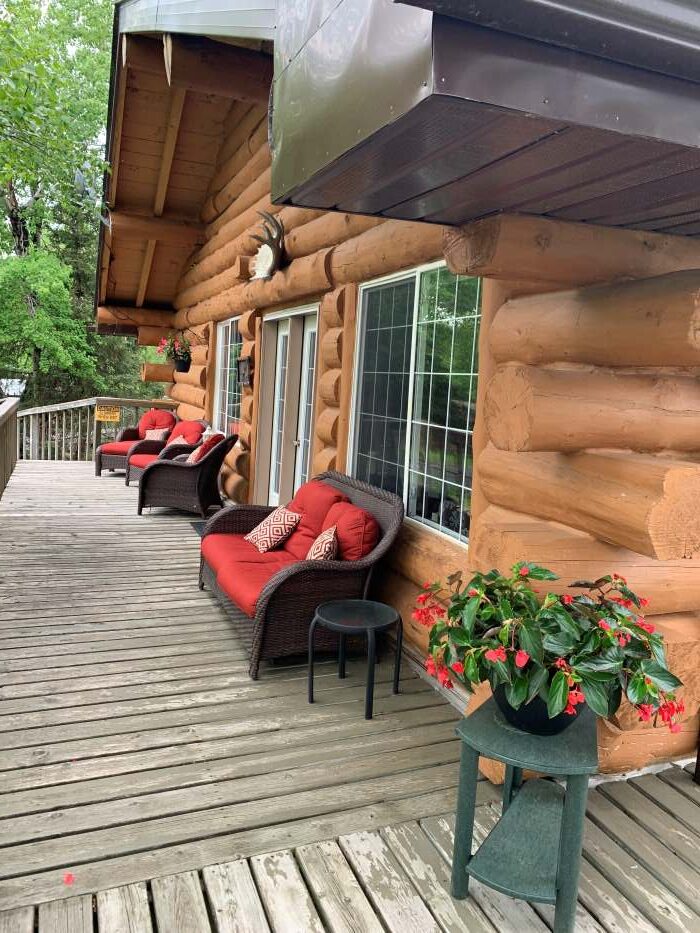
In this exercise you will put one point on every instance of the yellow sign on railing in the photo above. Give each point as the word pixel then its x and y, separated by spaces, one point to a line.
pixel 107 412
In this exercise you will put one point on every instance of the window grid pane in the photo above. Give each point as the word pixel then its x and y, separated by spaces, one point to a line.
pixel 443 375
pixel 228 406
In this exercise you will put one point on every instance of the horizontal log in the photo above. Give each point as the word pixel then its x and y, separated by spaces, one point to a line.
pixel 198 334
pixel 529 408
pixel 241 139
pixel 215 68
pixel 501 538
pixel 420 554
pixel 124 316
pixel 196 375
pixel 186 412
pixel 200 355
pixel 558 252
pixel 304 277
pixel 325 459
pixel 152 336
pixel 647 504
pixel 389 247
pixel 236 488
pixel 236 275
pixel 143 227
pixel 649 322
pixel 157 372
pixel 327 426
pixel 328 230
pixel 329 387
pixel 191 395
pixel 332 348
pixel 254 174
pixel 237 225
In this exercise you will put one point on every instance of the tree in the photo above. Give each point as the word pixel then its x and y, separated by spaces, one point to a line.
pixel 54 68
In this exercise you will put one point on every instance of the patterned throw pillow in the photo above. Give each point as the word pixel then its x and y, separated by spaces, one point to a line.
pixel 157 434
pixel 325 547
pixel 274 529
pixel 178 441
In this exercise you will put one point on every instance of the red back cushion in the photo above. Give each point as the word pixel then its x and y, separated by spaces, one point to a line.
pixel 191 431
pixel 204 448
pixel 156 418
pixel 357 531
pixel 312 502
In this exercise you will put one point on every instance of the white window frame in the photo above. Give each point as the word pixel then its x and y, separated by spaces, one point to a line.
pixel 407 274
pixel 222 374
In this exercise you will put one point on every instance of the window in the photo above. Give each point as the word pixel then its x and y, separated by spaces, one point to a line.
pixel 227 411
pixel 416 393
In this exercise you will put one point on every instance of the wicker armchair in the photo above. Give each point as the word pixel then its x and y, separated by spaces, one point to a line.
pixel 176 484
pixel 147 452
pixel 289 599
pixel 114 455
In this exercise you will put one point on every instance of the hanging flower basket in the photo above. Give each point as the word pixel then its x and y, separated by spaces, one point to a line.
pixel 546 657
pixel 178 350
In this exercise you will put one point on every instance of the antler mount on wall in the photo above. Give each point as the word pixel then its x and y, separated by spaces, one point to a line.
pixel 270 254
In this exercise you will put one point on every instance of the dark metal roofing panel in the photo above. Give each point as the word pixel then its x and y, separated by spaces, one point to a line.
pixel 661 35
pixel 501 123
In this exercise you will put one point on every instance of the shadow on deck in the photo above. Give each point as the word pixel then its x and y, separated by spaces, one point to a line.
pixel 135 752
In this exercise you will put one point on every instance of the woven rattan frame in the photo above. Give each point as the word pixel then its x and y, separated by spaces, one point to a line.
pixel 288 601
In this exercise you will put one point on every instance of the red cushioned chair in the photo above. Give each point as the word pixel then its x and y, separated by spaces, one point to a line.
pixel 272 596
pixel 192 487
pixel 114 455
pixel 146 452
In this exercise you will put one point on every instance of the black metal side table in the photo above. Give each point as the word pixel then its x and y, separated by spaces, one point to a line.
pixel 534 851
pixel 357 617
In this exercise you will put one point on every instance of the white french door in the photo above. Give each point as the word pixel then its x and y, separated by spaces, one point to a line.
pixel 287 414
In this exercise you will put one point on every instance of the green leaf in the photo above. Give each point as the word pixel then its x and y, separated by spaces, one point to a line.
pixel 469 614
pixel 614 698
pixel 471 669
pixel 596 696
pixel 541 573
pixel 598 665
pixel 558 694
pixel 636 689
pixel 501 672
pixel 659 676
pixel 516 692
pixel 459 637
pixel 538 678
pixel 530 640
pixel 560 644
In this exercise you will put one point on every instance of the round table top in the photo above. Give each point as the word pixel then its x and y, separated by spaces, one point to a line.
pixel 360 614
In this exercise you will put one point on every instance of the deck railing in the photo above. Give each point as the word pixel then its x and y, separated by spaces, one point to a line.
pixel 8 439
pixel 71 430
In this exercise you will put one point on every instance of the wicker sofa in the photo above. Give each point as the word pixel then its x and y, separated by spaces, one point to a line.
pixel 191 487
pixel 147 452
pixel 272 597
pixel 114 455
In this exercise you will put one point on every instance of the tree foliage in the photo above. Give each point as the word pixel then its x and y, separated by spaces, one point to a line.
pixel 54 71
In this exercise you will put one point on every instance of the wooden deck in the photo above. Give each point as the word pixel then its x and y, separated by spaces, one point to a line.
pixel 145 781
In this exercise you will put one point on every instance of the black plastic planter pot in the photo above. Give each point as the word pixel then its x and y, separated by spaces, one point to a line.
pixel 532 717
pixel 182 366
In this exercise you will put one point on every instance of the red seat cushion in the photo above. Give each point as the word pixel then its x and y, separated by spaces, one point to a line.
pixel 312 502
pixel 121 448
pixel 205 447
pixel 142 460
pixel 242 582
pixel 156 418
pixel 357 531
pixel 191 431
pixel 222 551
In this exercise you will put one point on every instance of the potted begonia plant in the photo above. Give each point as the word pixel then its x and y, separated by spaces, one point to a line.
pixel 546 657
pixel 178 350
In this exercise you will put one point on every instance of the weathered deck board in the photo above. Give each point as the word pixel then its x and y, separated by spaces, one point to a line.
pixel 148 785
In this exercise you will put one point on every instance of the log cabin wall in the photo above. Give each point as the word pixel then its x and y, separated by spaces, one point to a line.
pixel 588 427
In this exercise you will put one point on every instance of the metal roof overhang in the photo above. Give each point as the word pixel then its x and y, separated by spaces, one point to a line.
pixel 390 110
pixel 238 19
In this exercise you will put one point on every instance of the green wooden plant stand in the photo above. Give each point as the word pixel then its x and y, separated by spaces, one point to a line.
pixel 534 851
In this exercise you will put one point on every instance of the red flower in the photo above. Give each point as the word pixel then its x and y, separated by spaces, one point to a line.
pixel 623 639
pixel 561 664
pixel 430 666
pixel 496 654
pixel 524 571
pixel 458 667
pixel 69 878
pixel 570 710
pixel 604 625
pixel 616 576
pixel 444 678
pixel 643 602
pixel 472 591
pixel 647 626
pixel 576 697
pixel 646 711
pixel 675 727
pixel 567 599
pixel 426 586
pixel 521 658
